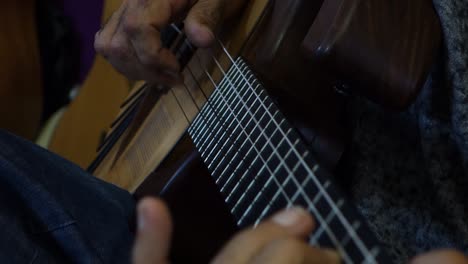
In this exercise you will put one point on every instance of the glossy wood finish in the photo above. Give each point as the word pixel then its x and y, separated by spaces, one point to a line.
pixel 202 223
pixel 134 158
pixel 383 49
pixel 303 90
pixel 155 157
pixel 182 173
pixel 88 117
pixel 20 75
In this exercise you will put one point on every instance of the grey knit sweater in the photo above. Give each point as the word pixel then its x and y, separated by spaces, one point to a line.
pixel 409 171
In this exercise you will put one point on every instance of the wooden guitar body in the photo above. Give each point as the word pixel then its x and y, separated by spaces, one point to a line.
pixel 149 152
pixel 381 49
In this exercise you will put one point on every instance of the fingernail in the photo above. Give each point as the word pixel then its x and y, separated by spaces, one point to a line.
pixel 142 217
pixel 290 217
pixel 332 256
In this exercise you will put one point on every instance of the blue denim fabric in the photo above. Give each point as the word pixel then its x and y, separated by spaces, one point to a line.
pixel 51 211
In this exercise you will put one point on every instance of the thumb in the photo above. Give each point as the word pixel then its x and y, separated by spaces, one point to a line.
pixel 202 20
pixel 154 233
pixel 441 257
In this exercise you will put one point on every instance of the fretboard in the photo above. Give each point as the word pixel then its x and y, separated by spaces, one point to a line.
pixel 261 165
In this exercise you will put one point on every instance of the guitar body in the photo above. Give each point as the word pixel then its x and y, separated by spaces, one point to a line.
pixel 86 120
pixel 202 223
pixel 149 152
pixel 20 98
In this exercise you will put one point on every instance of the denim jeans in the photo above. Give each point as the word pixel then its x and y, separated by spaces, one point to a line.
pixel 51 211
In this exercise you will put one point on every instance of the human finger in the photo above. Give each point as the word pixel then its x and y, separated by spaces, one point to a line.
pixel 154 233
pixel 143 25
pixel 202 20
pixel 104 36
pixel 293 222
pixel 441 257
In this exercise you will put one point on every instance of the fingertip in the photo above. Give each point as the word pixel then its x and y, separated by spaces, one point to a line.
pixel 441 256
pixel 296 219
pixel 98 43
pixel 151 210
pixel 200 35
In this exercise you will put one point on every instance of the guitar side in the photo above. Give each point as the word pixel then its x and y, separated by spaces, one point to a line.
pixel 382 50
pixel 203 223
pixel 272 53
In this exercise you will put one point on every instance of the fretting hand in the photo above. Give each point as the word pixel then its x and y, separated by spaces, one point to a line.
pixel 281 239
pixel 277 240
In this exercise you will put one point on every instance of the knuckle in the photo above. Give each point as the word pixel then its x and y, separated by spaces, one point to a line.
pixel 130 25
pixel 150 58
pixel 99 45
pixel 117 48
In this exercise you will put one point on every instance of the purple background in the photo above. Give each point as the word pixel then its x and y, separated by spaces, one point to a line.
pixel 85 16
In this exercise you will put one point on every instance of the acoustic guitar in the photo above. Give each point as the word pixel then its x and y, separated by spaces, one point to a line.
pixel 257 126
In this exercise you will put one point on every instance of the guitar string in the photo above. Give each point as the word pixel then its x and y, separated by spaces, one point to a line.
pixel 247 82
pixel 213 159
pixel 195 128
pixel 180 106
pixel 342 251
pixel 208 99
pixel 231 85
pixel 343 219
pixel 286 197
pixel 217 87
pixel 284 194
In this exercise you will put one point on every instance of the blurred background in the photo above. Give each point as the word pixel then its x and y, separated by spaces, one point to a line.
pixel 47 65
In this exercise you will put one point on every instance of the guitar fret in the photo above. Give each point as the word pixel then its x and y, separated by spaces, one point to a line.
pixel 246 173
pixel 343 253
pixel 233 176
pixel 225 136
pixel 198 122
pixel 231 148
pixel 225 112
pixel 328 220
pixel 251 149
pixel 225 142
pixel 280 191
pixel 213 100
pixel 265 166
pixel 220 133
pixel 265 211
pixel 264 196
pixel 260 164
pixel 212 116
pixel 238 126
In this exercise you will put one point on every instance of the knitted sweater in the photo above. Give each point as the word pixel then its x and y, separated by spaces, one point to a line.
pixel 408 171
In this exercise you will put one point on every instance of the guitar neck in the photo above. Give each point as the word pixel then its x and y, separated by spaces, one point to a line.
pixel 261 165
